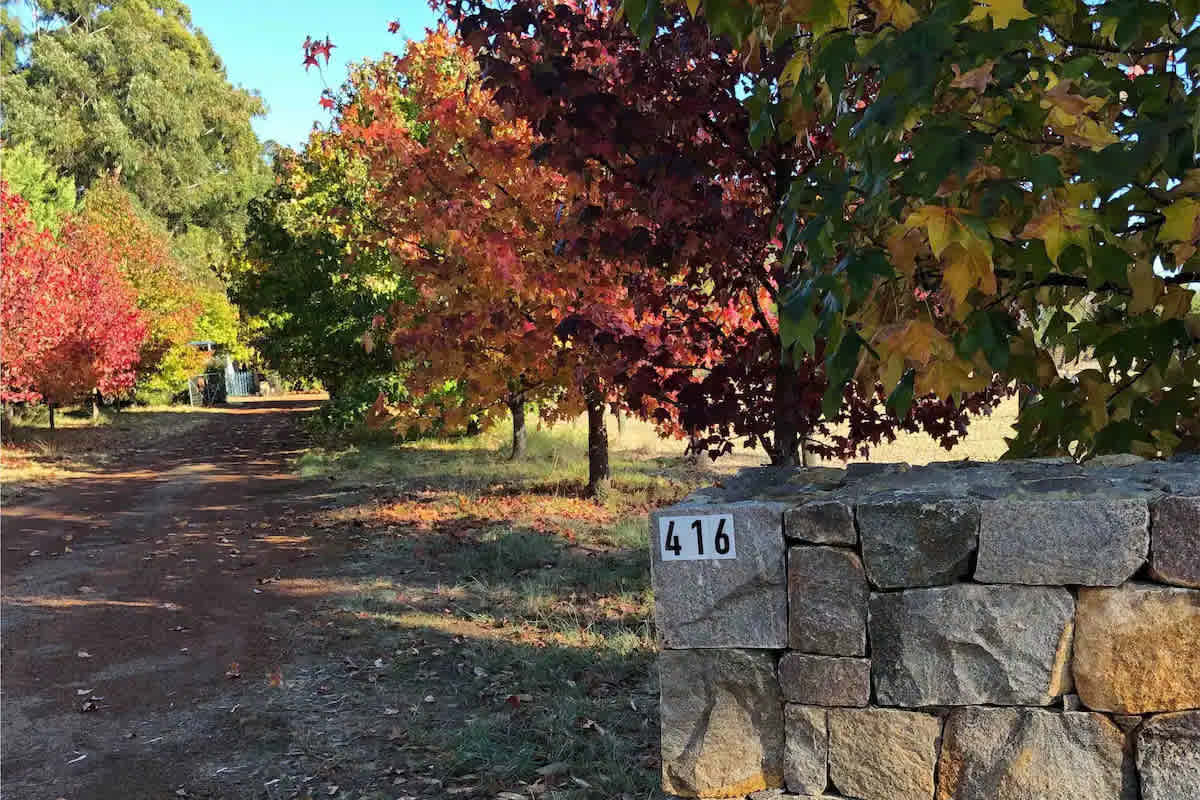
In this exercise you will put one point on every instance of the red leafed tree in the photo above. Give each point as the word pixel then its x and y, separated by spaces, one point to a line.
pixel 504 311
pixel 68 320
pixel 689 191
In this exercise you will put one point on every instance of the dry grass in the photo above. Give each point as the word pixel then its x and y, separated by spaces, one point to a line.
pixel 513 614
pixel 984 441
pixel 508 616
pixel 35 457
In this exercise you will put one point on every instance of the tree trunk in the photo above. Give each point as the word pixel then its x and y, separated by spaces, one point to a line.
pixel 95 405
pixel 786 450
pixel 51 407
pixel 620 424
pixel 597 437
pixel 516 405
pixel 6 422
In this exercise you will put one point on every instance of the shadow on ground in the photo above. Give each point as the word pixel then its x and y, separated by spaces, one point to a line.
pixel 196 620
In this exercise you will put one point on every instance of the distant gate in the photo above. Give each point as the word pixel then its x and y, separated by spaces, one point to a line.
pixel 215 386
pixel 239 382
pixel 207 389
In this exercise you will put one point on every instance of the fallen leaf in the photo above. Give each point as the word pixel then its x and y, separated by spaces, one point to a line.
pixel 84 654
pixel 555 768
pixel 592 724
pixel 234 671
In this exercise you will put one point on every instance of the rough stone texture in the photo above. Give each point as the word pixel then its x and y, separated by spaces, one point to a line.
pixel 825 680
pixel 1137 649
pixel 739 602
pixel 914 542
pixel 793 485
pixel 722 722
pixel 821 522
pixel 881 754
pixel 1126 722
pixel 1093 542
pixel 806 749
pixel 1023 754
pixel 1175 541
pixel 967 644
pixel 827 601
pixel 1168 757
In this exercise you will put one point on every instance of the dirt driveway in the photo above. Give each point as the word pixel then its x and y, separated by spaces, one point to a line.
pixel 137 608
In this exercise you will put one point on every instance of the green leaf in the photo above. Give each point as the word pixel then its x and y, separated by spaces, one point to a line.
pixel 798 329
pixel 900 400
pixel 840 369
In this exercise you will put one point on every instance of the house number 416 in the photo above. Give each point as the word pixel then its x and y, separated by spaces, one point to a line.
pixel 695 538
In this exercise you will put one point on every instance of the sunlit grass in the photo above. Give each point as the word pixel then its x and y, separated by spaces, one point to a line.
pixel 541 594
pixel 34 456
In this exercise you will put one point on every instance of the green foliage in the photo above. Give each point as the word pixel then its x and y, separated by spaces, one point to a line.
pixel 131 86
pixel 314 299
pixel 30 175
pixel 982 168
pixel 346 410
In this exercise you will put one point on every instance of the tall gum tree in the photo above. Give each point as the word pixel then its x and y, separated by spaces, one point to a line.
pixel 132 86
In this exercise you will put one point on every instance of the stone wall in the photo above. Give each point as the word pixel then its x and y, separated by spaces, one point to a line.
pixel 1017 631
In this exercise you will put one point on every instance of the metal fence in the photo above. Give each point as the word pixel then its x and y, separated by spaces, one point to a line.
pixel 207 389
pixel 240 382
pixel 216 386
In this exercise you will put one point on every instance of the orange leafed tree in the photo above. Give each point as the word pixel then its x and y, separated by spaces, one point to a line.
pixel 504 311
pixel 169 302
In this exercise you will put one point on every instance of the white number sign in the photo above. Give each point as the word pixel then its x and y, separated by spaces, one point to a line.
pixel 696 538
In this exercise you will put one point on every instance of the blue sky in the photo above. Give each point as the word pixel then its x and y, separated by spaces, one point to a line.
pixel 259 41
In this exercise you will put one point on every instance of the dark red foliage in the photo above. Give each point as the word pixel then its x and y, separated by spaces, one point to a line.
pixel 664 134
pixel 313 48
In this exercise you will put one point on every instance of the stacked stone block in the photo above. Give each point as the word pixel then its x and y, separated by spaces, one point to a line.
pixel 1016 631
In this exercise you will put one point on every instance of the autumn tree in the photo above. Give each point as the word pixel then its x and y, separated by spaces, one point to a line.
pixel 502 310
pixel 688 189
pixel 68 320
pixel 1010 181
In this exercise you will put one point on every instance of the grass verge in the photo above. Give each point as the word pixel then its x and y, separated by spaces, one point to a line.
pixel 498 623
pixel 35 457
